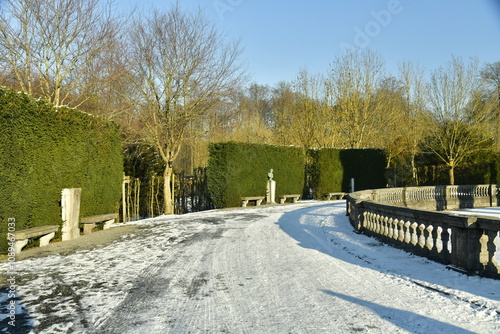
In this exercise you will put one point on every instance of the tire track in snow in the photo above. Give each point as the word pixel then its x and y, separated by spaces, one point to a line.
pixel 150 279
pixel 170 288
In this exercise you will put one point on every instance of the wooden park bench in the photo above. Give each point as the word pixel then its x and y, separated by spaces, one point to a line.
pixel 46 232
pixel 294 198
pixel 330 196
pixel 257 199
pixel 90 222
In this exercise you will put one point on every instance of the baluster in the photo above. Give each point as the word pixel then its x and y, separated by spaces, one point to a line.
pixel 386 226
pixel 445 253
pixel 366 220
pixel 390 228
pixel 449 243
pixel 376 221
pixel 446 240
pixel 373 218
pixel 429 240
pixel 484 257
pixel 414 235
pixel 495 258
pixel 381 225
pixel 395 228
pixel 408 232
pixel 421 239
pixel 401 230
pixel 361 223
pixel 439 241
pixel 493 264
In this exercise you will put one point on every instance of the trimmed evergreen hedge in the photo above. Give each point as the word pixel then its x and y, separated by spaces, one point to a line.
pixel 331 169
pixel 240 169
pixel 44 149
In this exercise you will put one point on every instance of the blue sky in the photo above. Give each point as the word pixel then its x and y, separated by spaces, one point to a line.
pixel 284 36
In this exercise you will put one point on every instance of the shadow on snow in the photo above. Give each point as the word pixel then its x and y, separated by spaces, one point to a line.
pixel 341 242
pixel 403 319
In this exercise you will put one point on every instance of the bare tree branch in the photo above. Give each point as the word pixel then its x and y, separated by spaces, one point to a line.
pixel 52 46
pixel 181 69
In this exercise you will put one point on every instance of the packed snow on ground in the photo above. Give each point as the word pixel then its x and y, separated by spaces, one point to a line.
pixel 277 269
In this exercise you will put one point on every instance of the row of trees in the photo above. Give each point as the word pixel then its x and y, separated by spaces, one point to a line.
pixel 154 73
pixel 171 80
pixel 448 116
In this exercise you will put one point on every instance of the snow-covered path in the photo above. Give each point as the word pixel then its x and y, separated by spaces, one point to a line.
pixel 281 269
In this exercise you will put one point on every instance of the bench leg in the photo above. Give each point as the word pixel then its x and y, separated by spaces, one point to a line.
pixel 44 241
pixel 108 223
pixel 282 200
pixel 87 228
pixel 19 244
pixel 244 203
pixel 257 202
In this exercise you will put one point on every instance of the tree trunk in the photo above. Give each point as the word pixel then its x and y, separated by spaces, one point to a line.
pixel 452 175
pixel 413 170
pixel 167 191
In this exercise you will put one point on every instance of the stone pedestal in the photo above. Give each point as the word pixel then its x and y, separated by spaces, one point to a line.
pixel 271 191
pixel 70 204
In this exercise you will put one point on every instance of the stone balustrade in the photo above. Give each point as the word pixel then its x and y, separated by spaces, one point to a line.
pixel 414 219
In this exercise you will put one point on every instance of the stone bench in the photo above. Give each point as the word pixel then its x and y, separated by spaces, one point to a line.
pixel 330 196
pixel 294 198
pixel 90 222
pixel 257 199
pixel 46 232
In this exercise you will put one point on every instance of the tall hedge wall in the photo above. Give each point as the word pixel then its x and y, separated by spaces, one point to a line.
pixel 332 169
pixel 239 169
pixel 45 149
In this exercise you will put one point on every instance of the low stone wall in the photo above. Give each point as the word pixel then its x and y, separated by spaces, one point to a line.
pixel 412 219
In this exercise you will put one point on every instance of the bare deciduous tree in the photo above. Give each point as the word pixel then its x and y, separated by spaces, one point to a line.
pixel 253 116
pixel 458 116
pixel 353 81
pixel 283 103
pixel 491 75
pixel 52 48
pixel 310 113
pixel 413 127
pixel 182 67
pixel 390 97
